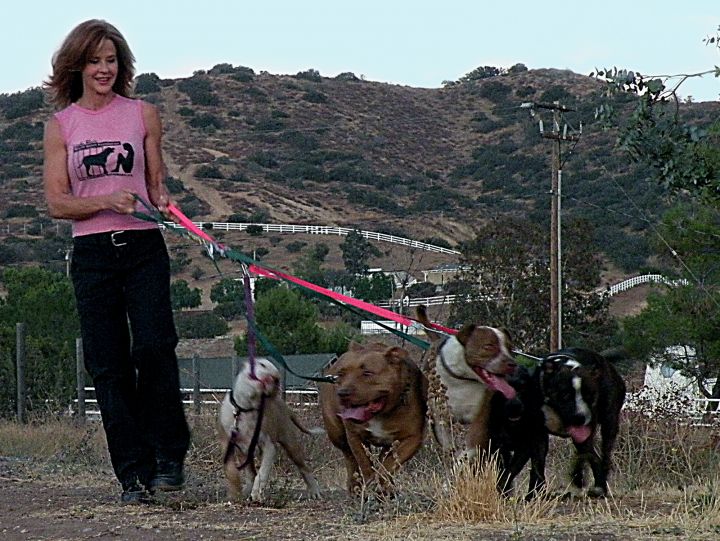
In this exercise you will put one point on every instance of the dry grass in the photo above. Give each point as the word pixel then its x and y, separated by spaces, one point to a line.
pixel 664 485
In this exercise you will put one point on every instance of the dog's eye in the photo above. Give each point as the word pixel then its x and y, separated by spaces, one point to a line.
pixel 489 347
pixel 368 373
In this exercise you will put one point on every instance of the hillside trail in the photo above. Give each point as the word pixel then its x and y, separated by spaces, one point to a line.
pixel 220 207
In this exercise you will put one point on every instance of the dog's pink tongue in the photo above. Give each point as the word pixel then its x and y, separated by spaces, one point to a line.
pixel 361 413
pixel 579 433
pixel 498 384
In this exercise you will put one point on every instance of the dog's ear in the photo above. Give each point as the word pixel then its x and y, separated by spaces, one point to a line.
pixel 548 366
pixel 355 346
pixel 396 355
pixel 464 335
pixel 506 333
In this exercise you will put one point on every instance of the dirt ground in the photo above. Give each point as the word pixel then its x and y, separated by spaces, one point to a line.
pixel 46 502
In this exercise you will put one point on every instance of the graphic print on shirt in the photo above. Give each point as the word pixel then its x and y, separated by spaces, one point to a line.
pixel 94 159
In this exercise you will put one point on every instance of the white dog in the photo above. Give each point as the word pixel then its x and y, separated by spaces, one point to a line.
pixel 254 399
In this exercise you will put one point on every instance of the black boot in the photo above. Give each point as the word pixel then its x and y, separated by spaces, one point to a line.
pixel 134 493
pixel 168 476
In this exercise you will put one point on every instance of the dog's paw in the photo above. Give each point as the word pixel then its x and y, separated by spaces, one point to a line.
pixel 257 495
pixel 596 492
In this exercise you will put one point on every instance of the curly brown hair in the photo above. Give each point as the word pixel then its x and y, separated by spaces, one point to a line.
pixel 65 84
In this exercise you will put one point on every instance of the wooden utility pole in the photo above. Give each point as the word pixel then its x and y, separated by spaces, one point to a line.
pixel 557 136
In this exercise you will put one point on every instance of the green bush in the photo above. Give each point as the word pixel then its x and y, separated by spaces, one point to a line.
pixel 208 171
pixel 174 185
pixel 23 131
pixel 243 74
pixel 221 69
pixel 21 211
pixel 495 91
pixel 264 159
pixel 186 111
pixel 206 121
pixel 347 76
pixel 21 103
pixel 314 96
pixel 295 246
pixel 147 83
pixel 200 325
pixel 309 75
pixel 254 230
pixel 199 90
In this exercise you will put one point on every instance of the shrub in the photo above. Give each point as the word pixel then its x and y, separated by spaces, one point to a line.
pixel 174 185
pixel 206 121
pixel 21 211
pixel 264 159
pixel 147 83
pixel 254 230
pixel 23 131
pixel 186 111
pixel 295 246
pixel 199 90
pixel 347 76
pixel 238 176
pixel 208 171
pixel 495 91
pixel 243 74
pixel 300 140
pixel 314 96
pixel 221 69
pixel 309 75
pixel 21 103
pixel 199 325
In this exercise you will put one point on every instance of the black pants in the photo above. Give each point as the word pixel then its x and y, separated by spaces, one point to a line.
pixel 122 288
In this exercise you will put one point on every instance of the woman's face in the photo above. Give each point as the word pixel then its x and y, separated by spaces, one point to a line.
pixel 100 72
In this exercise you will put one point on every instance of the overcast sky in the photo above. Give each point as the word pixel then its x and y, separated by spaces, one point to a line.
pixel 418 43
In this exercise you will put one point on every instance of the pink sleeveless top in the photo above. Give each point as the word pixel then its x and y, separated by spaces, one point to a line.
pixel 105 153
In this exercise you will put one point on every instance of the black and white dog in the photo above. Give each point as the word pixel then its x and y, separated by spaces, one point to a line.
pixel 582 391
pixel 570 393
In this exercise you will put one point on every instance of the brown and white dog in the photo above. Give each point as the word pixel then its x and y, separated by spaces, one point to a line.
pixel 471 365
pixel 256 398
pixel 379 399
pixel 582 391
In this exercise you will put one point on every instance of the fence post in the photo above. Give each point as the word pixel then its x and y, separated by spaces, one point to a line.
pixel 80 373
pixel 20 371
pixel 196 382
pixel 235 364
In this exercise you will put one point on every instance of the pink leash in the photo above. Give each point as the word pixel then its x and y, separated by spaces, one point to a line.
pixel 277 275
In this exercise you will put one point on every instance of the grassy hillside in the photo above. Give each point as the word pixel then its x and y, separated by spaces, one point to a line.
pixel 429 164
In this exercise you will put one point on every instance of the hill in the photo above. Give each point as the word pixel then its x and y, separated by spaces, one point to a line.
pixel 428 164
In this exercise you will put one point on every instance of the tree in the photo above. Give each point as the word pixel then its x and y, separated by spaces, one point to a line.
pixel 45 302
pixel 289 321
pixel 685 316
pixel 183 297
pixel 229 294
pixel 505 282
pixel 356 253
pixel 684 155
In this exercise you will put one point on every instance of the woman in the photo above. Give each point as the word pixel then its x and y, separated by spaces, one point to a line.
pixel 101 149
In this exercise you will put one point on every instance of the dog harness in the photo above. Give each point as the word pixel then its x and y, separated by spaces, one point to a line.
pixel 235 434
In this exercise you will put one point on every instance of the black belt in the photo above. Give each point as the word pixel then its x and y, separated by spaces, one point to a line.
pixel 116 238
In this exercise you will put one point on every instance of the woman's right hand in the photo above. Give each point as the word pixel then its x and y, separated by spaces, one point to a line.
pixel 122 202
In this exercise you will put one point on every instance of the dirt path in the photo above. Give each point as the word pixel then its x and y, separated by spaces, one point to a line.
pixel 42 502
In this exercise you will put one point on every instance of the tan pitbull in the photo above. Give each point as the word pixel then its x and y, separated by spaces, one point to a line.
pixel 256 397
pixel 379 399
